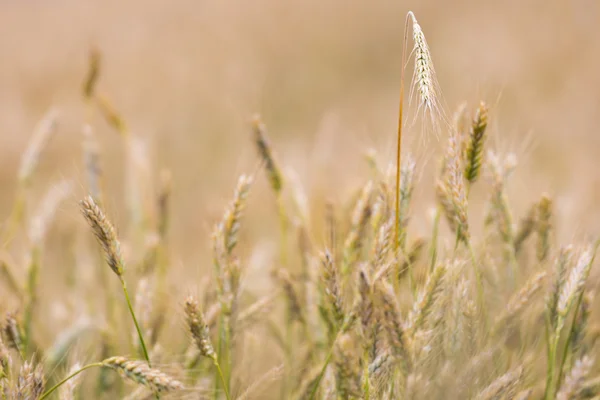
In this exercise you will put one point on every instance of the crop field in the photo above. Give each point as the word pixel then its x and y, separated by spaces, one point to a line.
pixel 299 200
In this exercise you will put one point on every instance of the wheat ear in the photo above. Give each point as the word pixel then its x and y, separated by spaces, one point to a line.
pixel 105 233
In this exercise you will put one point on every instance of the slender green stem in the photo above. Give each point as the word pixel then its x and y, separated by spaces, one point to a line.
pixel 59 384
pixel 549 368
pixel 222 377
pixel 32 283
pixel 137 326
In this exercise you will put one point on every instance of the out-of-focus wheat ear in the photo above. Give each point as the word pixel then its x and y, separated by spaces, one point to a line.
pixel 114 119
pixel 93 73
pixel 45 213
pixel 524 395
pixel 460 120
pixel 475 143
pixel 574 382
pixel 13 334
pixel 259 384
pixel 544 226
pixel 330 278
pixel 142 374
pixel 504 386
pixel 412 256
pixel 520 299
pixel 591 388
pixel 358 229
pixel 256 311
pixel 382 246
pixel 230 224
pixel 265 151
pixel 445 201
pixel 143 308
pixel 525 228
pixel 407 186
pixel 68 389
pixel 30 383
pixel 563 264
pixel 91 161
pixel 425 299
pixel 295 310
pixel 42 134
pixel 369 322
pixel 392 325
pixel 580 325
pixel 456 184
pixel 573 285
pixel 5 363
pixel 105 233
pixel 163 201
pixel 198 328
pixel 346 369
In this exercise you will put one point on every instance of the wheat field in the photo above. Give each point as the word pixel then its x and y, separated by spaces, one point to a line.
pixel 301 200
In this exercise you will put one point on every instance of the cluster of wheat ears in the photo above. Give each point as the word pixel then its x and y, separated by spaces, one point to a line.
pixel 375 312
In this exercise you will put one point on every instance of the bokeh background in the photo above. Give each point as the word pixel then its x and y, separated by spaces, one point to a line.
pixel 188 74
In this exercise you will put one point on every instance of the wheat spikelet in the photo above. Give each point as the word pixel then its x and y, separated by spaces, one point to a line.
pixel 520 299
pixel 41 136
pixel 266 153
pixel 413 255
pixel 573 385
pixel 30 383
pixel 346 376
pixel 523 394
pixel 500 212
pixel 229 226
pixel 474 150
pixel 392 325
pixel 563 264
pixel 255 311
pixel 580 325
pixel 424 74
pixel 382 245
pixel 503 387
pixel 140 373
pixel 573 285
pixel 331 287
pixel 105 233
pixel 67 390
pixel 360 218
pixel 5 363
pixel 425 299
pixel 294 306
pixel 12 332
pixel 525 228
pixel 198 328
pixel 451 190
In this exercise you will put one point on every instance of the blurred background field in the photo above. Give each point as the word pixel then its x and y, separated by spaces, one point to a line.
pixel 188 75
